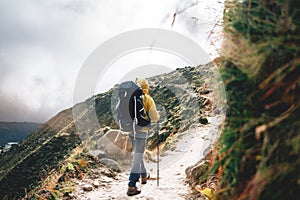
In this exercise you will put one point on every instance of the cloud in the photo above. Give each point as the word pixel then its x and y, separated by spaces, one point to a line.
pixel 13 109
pixel 43 45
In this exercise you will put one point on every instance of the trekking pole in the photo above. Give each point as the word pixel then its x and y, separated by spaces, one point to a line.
pixel 157 155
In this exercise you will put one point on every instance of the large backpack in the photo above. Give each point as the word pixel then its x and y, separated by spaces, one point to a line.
pixel 130 110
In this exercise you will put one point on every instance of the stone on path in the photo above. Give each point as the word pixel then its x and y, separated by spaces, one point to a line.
pixel 112 164
pixel 87 187
pixel 96 184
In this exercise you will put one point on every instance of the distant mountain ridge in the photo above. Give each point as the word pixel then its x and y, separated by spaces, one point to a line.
pixel 15 131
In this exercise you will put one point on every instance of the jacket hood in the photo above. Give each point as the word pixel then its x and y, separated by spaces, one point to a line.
pixel 144 85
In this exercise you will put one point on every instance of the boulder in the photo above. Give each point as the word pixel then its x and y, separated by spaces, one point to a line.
pixel 108 173
pixel 97 153
pixel 197 173
pixel 112 164
pixel 116 144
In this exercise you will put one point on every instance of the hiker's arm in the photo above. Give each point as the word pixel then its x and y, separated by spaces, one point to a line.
pixel 153 114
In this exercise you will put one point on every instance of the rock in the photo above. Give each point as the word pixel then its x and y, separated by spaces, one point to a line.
pixel 115 144
pixel 203 120
pixel 106 179
pixel 149 156
pixel 71 195
pixel 209 119
pixel 97 153
pixel 207 153
pixel 193 173
pixel 96 184
pixel 87 187
pixel 68 196
pixel 110 163
pixel 108 173
pixel 64 134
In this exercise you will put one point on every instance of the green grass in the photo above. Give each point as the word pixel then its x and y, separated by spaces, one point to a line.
pixel 260 64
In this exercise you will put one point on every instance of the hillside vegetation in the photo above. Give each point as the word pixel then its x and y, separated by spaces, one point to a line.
pixel 258 154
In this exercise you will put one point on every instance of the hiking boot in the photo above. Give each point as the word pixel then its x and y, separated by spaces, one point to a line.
pixel 133 191
pixel 145 178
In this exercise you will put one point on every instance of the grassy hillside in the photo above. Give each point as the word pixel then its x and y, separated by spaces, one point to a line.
pixel 15 131
pixel 27 164
pixel 180 94
pixel 258 154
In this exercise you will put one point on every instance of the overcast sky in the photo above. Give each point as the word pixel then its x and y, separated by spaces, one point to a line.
pixel 44 43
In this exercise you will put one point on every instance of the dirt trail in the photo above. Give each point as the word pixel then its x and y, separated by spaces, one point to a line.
pixel 189 149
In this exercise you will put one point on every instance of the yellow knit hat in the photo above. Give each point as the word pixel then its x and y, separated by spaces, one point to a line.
pixel 144 85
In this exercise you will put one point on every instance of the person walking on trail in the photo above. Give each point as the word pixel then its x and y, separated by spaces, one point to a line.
pixel 138 140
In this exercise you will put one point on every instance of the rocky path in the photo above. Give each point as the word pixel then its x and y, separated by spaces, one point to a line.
pixel 188 150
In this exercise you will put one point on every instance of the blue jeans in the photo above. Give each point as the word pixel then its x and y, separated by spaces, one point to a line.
pixel 137 168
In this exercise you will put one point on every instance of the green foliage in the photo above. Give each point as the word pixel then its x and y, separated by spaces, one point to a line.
pixel 259 148
pixel 183 112
pixel 103 108
pixel 236 138
pixel 35 167
pixel 166 98
pixel 70 167
pixel 45 194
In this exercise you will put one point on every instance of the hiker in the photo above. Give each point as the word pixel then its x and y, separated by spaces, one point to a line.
pixel 138 139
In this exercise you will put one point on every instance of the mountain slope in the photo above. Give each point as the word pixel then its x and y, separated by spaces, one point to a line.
pixel 179 94
pixel 15 131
